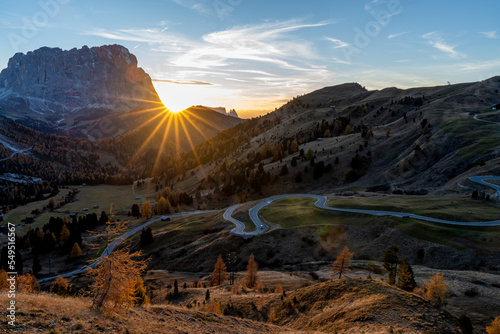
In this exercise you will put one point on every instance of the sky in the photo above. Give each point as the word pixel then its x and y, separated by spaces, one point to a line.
pixel 255 55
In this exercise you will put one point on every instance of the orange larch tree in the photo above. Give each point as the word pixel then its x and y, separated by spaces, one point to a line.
pixel 252 277
pixel 342 263
pixel 219 275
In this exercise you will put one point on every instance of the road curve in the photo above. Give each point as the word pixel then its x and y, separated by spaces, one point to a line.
pixel 112 246
pixel 321 201
pixel 481 180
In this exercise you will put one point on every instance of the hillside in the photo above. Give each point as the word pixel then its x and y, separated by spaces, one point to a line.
pixel 411 141
pixel 342 306
pixel 72 315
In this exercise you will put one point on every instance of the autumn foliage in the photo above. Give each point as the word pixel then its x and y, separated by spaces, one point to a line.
pixel 494 328
pixel 342 263
pixel 219 275
pixel 116 276
pixel 252 277
pixel 436 290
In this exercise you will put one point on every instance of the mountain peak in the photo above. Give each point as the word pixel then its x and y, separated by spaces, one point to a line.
pixel 47 84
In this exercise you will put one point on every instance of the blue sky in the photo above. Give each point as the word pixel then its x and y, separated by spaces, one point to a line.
pixel 254 55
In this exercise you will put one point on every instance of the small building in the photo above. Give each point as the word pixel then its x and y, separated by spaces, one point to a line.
pixel 73 214
pixel 96 206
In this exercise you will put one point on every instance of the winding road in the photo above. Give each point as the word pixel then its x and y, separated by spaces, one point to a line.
pixel 115 243
pixel 321 203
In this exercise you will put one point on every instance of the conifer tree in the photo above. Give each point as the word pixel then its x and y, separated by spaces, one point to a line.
pixel 342 263
pixel 436 290
pixel 60 286
pixel 390 262
pixel 252 277
pixel 219 275
pixel 36 266
pixel 64 236
pixel 406 278
pixel 146 210
pixel 116 274
pixel 75 251
pixel 140 294
pixel 494 328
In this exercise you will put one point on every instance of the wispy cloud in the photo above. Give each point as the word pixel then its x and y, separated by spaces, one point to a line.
pixel 184 82
pixel 492 64
pixel 337 42
pixel 269 57
pixel 490 34
pixel 436 41
pixel 396 35
pixel 200 6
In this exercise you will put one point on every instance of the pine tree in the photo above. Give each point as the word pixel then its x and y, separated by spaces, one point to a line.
pixel 406 278
pixel 75 251
pixel 176 288
pixel 146 210
pixel 390 262
pixel 342 263
pixel 219 275
pixel 36 266
pixel 207 295
pixel 252 277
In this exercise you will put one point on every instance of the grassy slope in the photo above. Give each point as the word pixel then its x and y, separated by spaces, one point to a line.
pixel 37 312
pixel 293 212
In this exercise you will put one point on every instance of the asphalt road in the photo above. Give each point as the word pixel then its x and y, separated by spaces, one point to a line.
pixel 112 246
pixel 321 203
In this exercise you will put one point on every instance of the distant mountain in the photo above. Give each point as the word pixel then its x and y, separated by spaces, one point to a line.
pixel 222 110
pixel 74 92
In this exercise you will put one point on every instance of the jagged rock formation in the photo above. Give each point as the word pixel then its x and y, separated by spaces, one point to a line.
pixel 61 91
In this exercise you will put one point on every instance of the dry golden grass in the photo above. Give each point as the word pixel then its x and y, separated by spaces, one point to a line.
pixel 48 312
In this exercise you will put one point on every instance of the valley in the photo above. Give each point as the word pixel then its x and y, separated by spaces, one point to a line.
pixel 340 170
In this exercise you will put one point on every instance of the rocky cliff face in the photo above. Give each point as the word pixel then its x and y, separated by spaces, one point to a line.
pixel 64 91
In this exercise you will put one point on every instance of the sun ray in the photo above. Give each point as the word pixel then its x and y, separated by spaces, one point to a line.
pixel 188 136
pixel 150 136
pixel 163 141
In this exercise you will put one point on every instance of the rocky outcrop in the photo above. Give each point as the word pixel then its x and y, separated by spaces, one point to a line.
pixel 57 90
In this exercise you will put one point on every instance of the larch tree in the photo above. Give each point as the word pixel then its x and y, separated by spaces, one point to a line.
pixel 115 277
pixel 60 286
pixel 406 278
pixel 27 283
pixel 219 275
pixel 252 277
pixel 76 251
pixel 436 290
pixel 343 262
pixel 161 207
pixel 64 236
pixel 146 210
pixel 390 261
pixel 494 328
